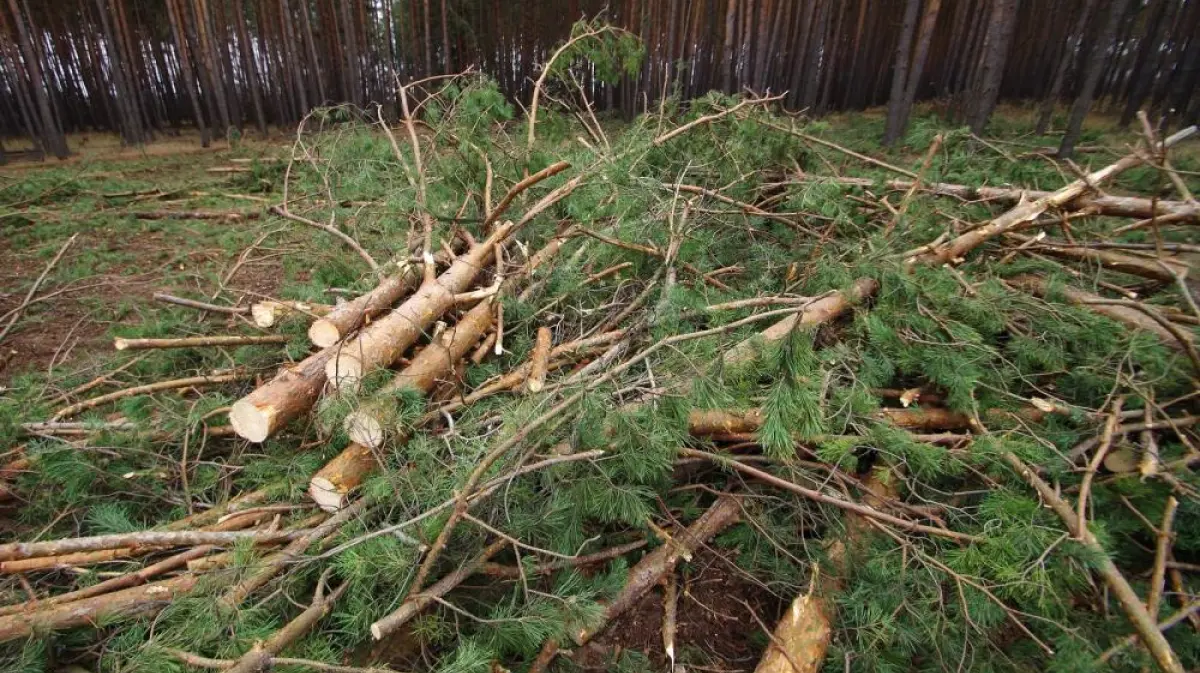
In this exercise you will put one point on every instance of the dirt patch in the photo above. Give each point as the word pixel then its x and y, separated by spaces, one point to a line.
pixel 71 326
pixel 715 630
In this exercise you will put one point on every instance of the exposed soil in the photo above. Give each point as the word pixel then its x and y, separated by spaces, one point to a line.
pixel 715 630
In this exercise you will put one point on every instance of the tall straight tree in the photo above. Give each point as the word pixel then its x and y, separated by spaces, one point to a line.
pixel 908 28
pixel 1002 23
pixel 175 16
pixel 1142 74
pixel 1064 66
pixel 52 133
pixel 129 120
pixel 249 65
pixel 1093 69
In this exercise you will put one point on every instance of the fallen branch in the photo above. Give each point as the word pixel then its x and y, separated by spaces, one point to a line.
pixel 414 604
pixel 210 380
pixel 162 539
pixel 956 249
pixel 710 118
pixel 330 229
pixel 16 312
pixel 122 344
pixel 539 360
pixel 856 508
pixel 260 657
pixel 1147 630
pixel 200 305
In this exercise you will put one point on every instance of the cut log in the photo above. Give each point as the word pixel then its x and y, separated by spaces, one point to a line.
pixel 956 249
pixel 366 424
pixel 818 312
pixel 331 486
pixel 801 638
pixel 345 318
pixel 382 343
pixel 268 313
pixel 291 393
pixel 538 361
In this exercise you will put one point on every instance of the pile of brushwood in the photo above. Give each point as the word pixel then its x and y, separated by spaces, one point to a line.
pixel 942 407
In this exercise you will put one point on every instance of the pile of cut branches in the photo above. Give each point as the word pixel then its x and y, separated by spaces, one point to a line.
pixel 943 422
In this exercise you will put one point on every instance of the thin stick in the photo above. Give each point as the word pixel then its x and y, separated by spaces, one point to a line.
pixel 222 664
pixel 200 305
pixel 1183 613
pixel 1161 553
pixel 857 508
pixel 159 386
pixel 190 342
pixel 260 656
pixel 1106 437
pixel 16 313
pixel 849 152
pixel 330 229
pixel 708 119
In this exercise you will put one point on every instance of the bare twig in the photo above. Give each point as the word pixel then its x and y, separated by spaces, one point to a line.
pixel 16 313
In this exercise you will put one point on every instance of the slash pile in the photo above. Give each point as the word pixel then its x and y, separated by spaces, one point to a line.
pixel 939 421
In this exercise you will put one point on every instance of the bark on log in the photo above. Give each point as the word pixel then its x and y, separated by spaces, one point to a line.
pixel 331 486
pixel 957 248
pixel 819 312
pixel 382 343
pixel 133 602
pixel 292 392
pixel 1164 270
pixel 1101 204
pixel 1124 314
pixel 366 424
pixel 344 319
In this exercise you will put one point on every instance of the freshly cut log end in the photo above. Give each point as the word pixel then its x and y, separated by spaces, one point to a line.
pixel 323 333
pixel 364 428
pixel 252 422
pixel 330 487
pixel 801 638
pixel 120 344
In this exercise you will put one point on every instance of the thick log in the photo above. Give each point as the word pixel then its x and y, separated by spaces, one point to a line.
pixel 345 318
pixel 331 486
pixel 382 343
pixel 365 425
pixel 291 393
pixel 956 249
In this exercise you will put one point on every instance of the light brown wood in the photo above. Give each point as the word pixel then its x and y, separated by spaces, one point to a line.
pixel 268 313
pixel 539 360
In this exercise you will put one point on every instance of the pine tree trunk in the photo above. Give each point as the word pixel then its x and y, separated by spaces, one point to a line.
pixel 250 66
pixel 318 73
pixel 129 121
pixel 1001 26
pixel 895 114
pixel 1142 74
pixel 449 62
pixel 185 69
pixel 1093 70
pixel 55 141
pixel 727 47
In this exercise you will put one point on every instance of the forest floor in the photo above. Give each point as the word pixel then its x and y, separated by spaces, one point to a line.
pixel 173 218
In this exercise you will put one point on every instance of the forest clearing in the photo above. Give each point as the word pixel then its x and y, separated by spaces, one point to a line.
pixel 479 379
